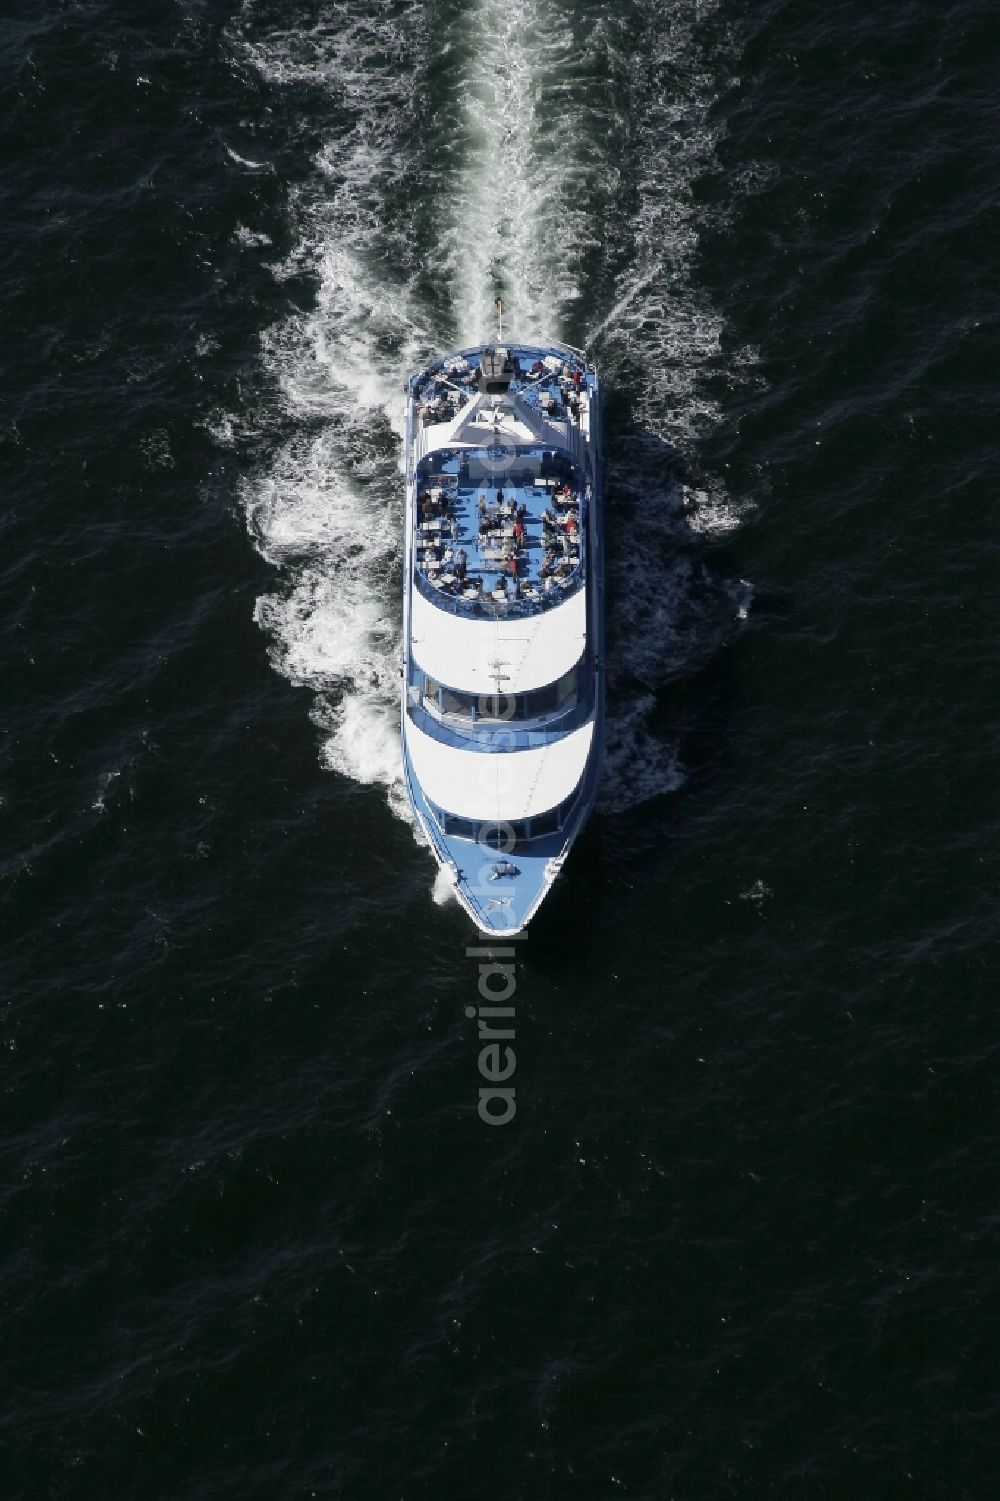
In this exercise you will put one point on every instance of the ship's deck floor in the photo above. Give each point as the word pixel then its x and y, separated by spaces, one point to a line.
pixel 553 394
pixel 476 518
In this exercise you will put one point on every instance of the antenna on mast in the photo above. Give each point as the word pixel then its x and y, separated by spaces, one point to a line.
pixel 498 309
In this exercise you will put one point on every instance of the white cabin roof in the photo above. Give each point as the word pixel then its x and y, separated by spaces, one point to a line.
pixel 502 787
pixel 531 650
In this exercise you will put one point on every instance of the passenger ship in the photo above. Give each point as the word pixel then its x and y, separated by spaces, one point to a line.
pixel 503 674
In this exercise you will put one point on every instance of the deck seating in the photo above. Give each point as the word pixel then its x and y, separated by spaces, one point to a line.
pixel 532 546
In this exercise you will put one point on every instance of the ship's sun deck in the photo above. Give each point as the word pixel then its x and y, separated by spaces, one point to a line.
pixel 553 385
pixel 488 540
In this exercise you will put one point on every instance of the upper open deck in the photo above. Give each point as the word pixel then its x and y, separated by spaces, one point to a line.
pixel 501 474
pixel 483 547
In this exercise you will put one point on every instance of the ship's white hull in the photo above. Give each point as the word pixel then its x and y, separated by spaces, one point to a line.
pixel 503 693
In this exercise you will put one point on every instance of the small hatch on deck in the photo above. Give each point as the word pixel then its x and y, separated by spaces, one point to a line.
pixel 496 371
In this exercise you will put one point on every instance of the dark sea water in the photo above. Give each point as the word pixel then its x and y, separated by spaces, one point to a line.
pixel 742 1238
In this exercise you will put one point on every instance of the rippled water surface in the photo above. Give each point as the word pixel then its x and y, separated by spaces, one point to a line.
pixel 740 1239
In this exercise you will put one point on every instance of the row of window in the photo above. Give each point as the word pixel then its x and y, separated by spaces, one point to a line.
pixel 505 837
pixel 501 708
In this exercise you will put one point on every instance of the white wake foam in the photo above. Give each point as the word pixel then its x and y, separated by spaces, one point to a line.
pixel 530 178
pixel 508 216
pixel 327 509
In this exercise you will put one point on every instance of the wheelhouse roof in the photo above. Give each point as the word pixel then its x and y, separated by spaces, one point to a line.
pixel 499 787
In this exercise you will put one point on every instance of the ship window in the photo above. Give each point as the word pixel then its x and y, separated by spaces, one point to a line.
pixel 546 823
pixel 566 809
pixel 459 828
pixel 541 701
pixel 499 706
pixel 454 703
pixel 503 708
pixel 566 688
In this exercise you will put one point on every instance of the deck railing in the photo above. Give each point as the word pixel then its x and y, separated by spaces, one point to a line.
pixel 485 607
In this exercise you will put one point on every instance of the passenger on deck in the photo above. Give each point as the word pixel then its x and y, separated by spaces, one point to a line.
pixel 461 564
pixel 512 506
pixel 499 500
pixel 512 564
pixel 522 511
pixel 519 533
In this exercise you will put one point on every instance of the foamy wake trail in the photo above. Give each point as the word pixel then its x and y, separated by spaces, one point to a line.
pixel 327 509
pixel 521 148
pixel 511 209
pixel 661 337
